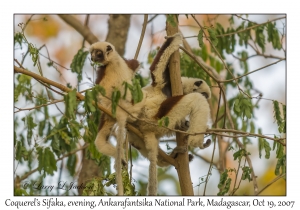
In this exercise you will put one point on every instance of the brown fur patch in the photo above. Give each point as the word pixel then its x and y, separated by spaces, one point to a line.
pixel 138 148
pixel 157 58
pixel 167 90
pixel 132 64
pixel 100 74
pixel 167 106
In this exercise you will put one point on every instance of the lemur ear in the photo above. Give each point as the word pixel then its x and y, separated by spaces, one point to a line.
pixel 205 94
pixel 108 48
pixel 198 83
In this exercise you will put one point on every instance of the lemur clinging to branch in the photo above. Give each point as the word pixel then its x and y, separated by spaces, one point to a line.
pixel 157 103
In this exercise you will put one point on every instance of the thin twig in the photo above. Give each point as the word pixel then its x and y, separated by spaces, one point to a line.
pixel 86 23
pixel 142 36
pixel 251 27
pixel 36 107
pixel 214 149
pixel 229 80
pixel 151 19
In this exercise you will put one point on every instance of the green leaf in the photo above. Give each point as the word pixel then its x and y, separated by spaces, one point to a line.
pixel 71 105
pixel 137 92
pixel 280 150
pixel 212 34
pixel 18 38
pixel 78 62
pixel 75 128
pixel 273 35
pixel 237 105
pixel 116 95
pixel 46 160
pixel 239 154
pixel 278 116
pixel 267 149
pixel 71 164
pixel 224 184
pixel 88 105
pixel 281 166
pixel 34 53
pixel 171 19
pixel 65 137
pixel 260 37
pixel 246 173
pixel 30 126
pixel 23 86
pixel 164 121
pixel 42 126
pixel 200 38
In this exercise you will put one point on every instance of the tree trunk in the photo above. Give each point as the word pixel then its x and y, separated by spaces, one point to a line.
pixel 183 169
pixel 118 26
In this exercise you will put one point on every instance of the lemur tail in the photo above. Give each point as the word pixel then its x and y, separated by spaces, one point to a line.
pixel 161 60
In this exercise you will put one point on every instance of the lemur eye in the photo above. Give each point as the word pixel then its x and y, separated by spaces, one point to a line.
pixel 198 83
pixel 99 53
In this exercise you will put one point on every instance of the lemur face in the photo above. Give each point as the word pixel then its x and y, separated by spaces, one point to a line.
pixel 101 51
pixel 195 85
pixel 202 90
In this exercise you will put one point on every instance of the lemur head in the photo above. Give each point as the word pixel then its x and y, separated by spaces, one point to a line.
pixel 102 52
pixel 191 85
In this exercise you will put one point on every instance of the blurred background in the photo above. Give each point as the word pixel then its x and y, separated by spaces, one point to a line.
pixel 61 42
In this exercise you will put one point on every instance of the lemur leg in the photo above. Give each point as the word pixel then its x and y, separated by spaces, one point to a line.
pixel 137 143
pixel 151 144
pixel 105 147
pixel 196 106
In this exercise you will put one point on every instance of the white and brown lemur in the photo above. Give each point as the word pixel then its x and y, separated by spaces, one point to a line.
pixel 157 102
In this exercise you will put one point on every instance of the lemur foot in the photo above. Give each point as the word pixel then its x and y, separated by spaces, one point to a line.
pixel 181 149
pixel 194 141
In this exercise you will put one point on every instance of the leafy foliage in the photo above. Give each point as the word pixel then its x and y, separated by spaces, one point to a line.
pixel 96 187
pixel 263 144
pixel 135 89
pixel 243 105
pixel 78 62
pixel 30 126
pixel 47 162
pixel 18 38
pixel 224 184
pixel 23 87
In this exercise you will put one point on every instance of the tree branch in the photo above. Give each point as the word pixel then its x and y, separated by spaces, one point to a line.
pixel 182 159
pixel 83 30
pixel 81 97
